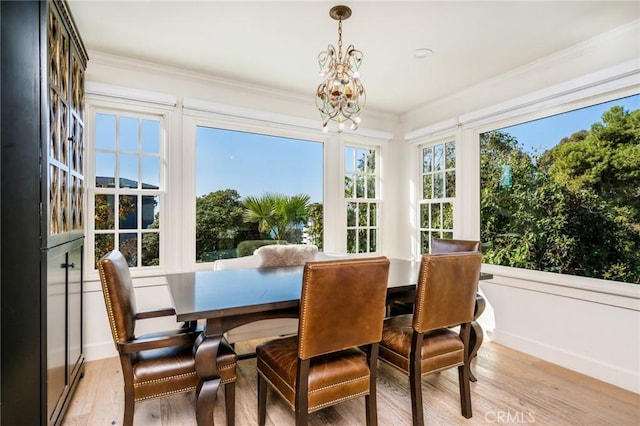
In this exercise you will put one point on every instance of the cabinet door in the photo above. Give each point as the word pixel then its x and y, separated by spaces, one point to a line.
pixel 56 328
pixel 74 306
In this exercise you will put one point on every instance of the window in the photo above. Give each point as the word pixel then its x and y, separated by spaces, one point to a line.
pixel 128 180
pixel 361 188
pixel 438 192
pixel 560 194
pixel 254 189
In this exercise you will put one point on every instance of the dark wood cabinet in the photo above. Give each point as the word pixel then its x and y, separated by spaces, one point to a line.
pixel 41 210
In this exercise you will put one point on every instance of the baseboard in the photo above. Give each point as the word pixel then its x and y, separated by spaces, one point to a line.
pixel 99 350
pixel 623 378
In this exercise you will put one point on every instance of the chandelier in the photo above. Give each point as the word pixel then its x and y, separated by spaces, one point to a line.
pixel 340 96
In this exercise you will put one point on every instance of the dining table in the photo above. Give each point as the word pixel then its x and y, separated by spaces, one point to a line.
pixel 226 299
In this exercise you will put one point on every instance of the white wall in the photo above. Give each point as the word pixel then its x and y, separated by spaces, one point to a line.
pixel 589 327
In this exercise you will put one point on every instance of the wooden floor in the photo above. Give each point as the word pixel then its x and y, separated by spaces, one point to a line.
pixel 512 388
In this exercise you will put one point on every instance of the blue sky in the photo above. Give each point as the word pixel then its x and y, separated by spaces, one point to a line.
pixel 540 135
pixel 255 164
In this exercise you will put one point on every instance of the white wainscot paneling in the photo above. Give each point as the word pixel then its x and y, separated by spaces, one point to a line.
pixel 596 333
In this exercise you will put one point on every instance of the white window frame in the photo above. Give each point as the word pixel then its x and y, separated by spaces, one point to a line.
pixel 206 115
pixel 110 100
pixel 429 201
pixel 377 200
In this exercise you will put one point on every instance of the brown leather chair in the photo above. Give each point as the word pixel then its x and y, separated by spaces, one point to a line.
pixel 423 342
pixel 438 246
pixel 334 356
pixel 158 364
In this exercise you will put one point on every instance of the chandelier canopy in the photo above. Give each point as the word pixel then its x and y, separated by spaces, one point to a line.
pixel 340 96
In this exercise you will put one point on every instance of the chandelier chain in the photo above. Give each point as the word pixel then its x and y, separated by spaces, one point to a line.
pixel 340 40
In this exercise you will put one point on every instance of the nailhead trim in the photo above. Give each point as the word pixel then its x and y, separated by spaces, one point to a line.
pixel 107 298
pixel 164 379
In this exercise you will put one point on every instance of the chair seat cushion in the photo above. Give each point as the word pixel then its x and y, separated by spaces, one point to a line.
pixel 329 379
pixel 442 348
pixel 166 371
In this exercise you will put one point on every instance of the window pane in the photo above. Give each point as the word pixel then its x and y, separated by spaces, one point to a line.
pixel 262 175
pixel 438 157
pixel 351 214
pixel 424 242
pixel 105 170
pixel 128 132
pixel 427 186
pixel 105 137
pixel 129 248
pixel 450 153
pixel 427 160
pixel 361 159
pixel 104 243
pixel 450 184
pixel 576 179
pixel 372 240
pixel 151 249
pixel 362 241
pixel 447 215
pixel 351 240
pixel 371 161
pixel 359 186
pixel 371 187
pixel 363 214
pixel 150 172
pixel 104 208
pixel 435 216
pixel 128 213
pixel 150 212
pixel 349 159
pixel 349 185
pixel 424 215
pixel 128 171
pixel 151 136
pixel 373 207
pixel 438 185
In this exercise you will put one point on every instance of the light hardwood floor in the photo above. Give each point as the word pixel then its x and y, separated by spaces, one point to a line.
pixel 512 388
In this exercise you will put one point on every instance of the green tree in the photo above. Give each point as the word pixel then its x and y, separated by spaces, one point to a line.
pixel 315 224
pixel 219 223
pixel 278 215
pixel 575 209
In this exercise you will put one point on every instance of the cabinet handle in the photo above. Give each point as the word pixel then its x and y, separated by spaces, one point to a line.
pixel 68 265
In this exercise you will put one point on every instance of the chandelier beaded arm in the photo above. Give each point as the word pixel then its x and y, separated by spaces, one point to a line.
pixel 341 95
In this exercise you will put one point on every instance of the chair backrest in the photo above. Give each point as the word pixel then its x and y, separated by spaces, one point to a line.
pixel 119 297
pixel 446 293
pixel 454 246
pixel 342 304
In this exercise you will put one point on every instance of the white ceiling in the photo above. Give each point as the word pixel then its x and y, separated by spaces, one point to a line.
pixel 276 43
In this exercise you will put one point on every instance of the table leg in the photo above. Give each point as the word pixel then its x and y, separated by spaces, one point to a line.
pixel 477 334
pixel 206 354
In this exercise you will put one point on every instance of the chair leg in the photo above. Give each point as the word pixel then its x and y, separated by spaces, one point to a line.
pixel 415 378
pixel 129 405
pixel 262 400
pixel 370 399
pixel 230 403
pixel 302 392
pixel 465 391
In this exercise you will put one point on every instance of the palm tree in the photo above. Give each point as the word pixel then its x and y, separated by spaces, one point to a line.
pixel 277 214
